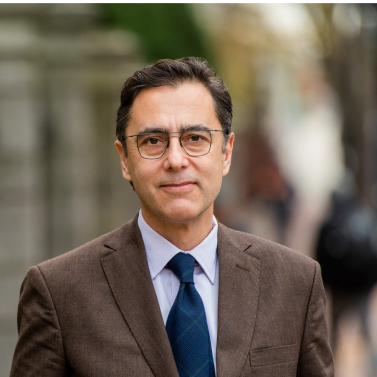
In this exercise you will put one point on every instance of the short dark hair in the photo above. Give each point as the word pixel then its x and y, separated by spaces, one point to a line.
pixel 167 72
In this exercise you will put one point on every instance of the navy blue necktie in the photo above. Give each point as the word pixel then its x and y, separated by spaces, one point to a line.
pixel 187 325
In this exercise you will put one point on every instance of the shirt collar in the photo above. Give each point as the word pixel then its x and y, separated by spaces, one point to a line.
pixel 159 250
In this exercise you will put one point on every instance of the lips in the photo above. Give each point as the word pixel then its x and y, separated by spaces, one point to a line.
pixel 177 184
pixel 181 186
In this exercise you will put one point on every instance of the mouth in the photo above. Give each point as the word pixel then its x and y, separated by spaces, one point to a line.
pixel 182 186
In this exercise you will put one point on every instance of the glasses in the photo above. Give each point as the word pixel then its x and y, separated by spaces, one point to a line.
pixel 153 145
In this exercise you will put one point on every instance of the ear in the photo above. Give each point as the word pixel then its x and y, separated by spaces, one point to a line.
pixel 123 161
pixel 228 154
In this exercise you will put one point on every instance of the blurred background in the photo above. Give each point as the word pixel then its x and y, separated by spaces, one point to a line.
pixel 304 173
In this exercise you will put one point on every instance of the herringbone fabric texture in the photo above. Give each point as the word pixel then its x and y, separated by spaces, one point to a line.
pixel 187 325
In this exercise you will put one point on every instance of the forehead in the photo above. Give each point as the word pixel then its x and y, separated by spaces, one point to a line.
pixel 173 108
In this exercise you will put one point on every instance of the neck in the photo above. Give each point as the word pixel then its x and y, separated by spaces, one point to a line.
pixel 185 236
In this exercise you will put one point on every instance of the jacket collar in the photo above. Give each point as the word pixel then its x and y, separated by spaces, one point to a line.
pixel 129 278
pixel 238 301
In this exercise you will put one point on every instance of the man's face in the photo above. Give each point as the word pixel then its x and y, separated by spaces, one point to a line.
pixel 177 187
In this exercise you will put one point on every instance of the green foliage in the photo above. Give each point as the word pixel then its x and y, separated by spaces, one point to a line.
pixel 165 30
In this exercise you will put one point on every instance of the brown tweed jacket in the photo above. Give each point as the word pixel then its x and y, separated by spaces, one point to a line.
pixel 93 312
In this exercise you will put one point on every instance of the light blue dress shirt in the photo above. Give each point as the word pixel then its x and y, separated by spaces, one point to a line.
pixel 166 284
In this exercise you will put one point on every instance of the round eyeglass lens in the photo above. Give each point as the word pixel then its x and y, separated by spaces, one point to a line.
pixel 152 145
pixel 196 143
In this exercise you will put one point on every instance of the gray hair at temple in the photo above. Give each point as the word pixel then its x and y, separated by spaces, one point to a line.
pixel 167 72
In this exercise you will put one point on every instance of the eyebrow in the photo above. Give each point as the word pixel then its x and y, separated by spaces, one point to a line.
pixel 194 127
pixel 164 130
pixel 153 129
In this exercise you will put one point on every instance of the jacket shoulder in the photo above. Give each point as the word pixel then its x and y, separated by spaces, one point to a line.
pixel 89 254
pixel 272 255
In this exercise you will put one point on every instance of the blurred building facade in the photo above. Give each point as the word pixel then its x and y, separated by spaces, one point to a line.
pixel 60 80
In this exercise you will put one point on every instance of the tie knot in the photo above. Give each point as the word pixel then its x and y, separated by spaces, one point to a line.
pixel 182 266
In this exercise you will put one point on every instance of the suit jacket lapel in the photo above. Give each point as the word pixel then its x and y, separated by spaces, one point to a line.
pixel 238 301
pixel 128 275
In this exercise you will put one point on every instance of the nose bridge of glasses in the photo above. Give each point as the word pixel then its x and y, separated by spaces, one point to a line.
pixel 174 136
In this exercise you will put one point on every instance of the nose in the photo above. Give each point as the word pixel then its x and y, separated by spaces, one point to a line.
pixel 176 158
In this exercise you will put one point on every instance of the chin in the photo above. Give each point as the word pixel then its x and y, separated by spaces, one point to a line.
pixel 180 216
pixel 182 213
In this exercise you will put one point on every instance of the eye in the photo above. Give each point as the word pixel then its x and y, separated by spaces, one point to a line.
pixel 152 140
pixel 195 137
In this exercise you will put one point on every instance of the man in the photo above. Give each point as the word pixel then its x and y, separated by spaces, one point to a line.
pixel 172 292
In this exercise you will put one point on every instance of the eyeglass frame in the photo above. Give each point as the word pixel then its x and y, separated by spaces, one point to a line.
pixel 168 137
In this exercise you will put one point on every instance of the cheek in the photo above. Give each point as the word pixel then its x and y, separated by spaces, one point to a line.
pixel 144 176
pixel 213 177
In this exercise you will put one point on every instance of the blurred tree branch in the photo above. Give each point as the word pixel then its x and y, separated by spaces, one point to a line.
pixel 348 36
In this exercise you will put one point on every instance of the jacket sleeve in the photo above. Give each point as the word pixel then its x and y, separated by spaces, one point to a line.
pixel 39 351
pixel 316 359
